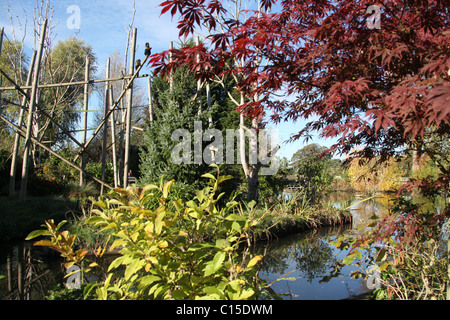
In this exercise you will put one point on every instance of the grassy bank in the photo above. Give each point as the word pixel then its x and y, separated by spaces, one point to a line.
pixel 296 215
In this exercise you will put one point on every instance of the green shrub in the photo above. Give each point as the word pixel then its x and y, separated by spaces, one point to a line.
pixel 185 250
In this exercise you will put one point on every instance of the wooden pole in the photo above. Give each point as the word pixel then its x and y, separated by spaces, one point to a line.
pixel 9 270
pixel 113 139
pixel 12 173
pixel 20 271
pixel 105 125
pixel 85 118
pixel 170 61
pixel 126 163
pixel 44 113
pixel 66 84
pixel 99 127
pixel 42 145
pixel 150 101
pixel 25 164
pixel 1 39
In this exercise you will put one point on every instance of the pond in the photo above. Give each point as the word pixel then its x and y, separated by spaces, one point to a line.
pixel 29 272
pixel 305 260
pixel 298 265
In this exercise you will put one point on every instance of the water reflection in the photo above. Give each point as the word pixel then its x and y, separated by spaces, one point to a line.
pixel 29 272
pixel 306 259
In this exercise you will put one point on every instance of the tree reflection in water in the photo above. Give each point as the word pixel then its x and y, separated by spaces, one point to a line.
pixel 308 258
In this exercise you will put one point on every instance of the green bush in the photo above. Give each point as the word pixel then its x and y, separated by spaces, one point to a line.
pixel 179 250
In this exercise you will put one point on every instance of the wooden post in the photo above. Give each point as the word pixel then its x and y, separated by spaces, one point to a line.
pixel 119 99
pixel 67 84
pixel 12 173
pixel 150 101
pixel 25 164
pixel 43 146
pixel 126 163
pixel 9 269
pixel 20 271
pixel 85 118
pixel 170 61
pixel 113 139
pixel 105 125
pixel 1 39
pixel 199 84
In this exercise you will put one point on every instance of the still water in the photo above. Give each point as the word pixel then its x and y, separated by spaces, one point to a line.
pixel 297 265
pixel 304 260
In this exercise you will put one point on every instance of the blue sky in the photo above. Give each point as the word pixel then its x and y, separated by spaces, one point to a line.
pixel 103 25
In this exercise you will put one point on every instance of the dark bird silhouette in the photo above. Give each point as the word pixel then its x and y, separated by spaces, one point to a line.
pixel 137 64
pixel 148 49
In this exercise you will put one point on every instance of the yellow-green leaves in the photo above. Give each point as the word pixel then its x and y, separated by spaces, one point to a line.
pixel 63 242
pixel 215 264
pixel 169 249
pixel 254 261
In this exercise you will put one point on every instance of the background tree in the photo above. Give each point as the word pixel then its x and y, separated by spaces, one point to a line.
pixel 65 63
pixel 176 107
pixel 14 62
pixel 312 165
pixel 370 176
pixel 209 64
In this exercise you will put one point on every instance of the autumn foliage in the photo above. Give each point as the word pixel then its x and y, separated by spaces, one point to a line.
pixel 379 87
pixel 368 176
pixel 383 89
pixel 379 90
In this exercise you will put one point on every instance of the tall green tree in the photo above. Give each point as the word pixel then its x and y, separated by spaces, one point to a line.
pixel 65 63
pixel 314 167
pixel 14 62
pixel 177 107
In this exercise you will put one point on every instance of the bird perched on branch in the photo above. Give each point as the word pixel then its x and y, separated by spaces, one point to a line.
pixel 148 49
pixel 137 64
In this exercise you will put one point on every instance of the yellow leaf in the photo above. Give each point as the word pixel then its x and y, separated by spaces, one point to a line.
pixel 182 234
pixel 254 261
pixel 163 244
pixel 152 260
pixel 166 188
pixel 44 243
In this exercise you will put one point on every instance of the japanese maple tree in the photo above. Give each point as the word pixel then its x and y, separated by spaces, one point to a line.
pixel 382 86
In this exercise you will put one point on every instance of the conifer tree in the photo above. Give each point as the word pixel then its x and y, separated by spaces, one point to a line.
pixel 175 108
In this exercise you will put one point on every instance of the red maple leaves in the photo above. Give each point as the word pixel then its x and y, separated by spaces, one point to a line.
pixel 320 56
